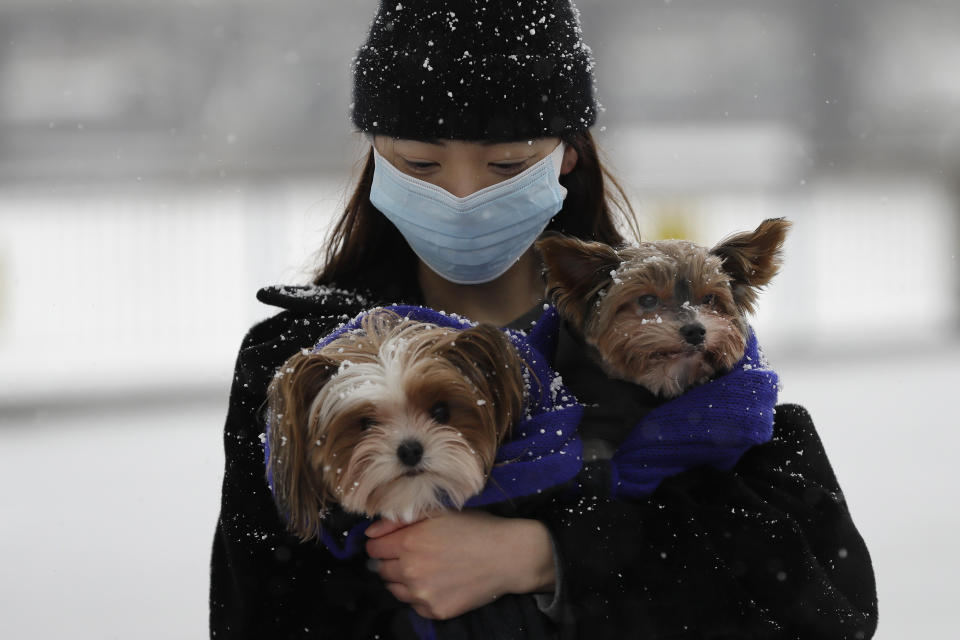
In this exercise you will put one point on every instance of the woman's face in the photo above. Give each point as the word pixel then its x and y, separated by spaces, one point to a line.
pixel 465 167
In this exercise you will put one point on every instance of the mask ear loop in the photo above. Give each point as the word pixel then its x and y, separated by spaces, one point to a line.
pixel 558 157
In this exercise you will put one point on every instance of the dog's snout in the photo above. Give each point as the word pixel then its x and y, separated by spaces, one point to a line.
pixel 410 452
pixel 694 333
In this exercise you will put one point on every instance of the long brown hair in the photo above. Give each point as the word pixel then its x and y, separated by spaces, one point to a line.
pixel 364 246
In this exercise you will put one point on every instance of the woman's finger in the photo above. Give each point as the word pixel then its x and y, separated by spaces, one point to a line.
pixel 382 549
pixel 383 527
pixel 400 591
pixel 390 571
pixel 423 611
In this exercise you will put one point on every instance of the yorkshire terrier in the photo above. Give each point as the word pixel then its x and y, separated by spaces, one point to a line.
pixel 664 315
pixel 398 418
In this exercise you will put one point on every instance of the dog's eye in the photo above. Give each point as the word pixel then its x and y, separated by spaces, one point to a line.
pixel 709 299
pixel 648 301
pixel 366 423
pixel 440 412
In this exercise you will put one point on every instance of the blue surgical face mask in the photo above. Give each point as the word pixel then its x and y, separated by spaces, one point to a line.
pixel 476 238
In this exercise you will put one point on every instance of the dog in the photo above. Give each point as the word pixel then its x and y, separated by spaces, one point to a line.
pixel 665 315
pixel 398 418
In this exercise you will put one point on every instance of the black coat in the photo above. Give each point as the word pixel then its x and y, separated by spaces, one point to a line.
pixel 766 550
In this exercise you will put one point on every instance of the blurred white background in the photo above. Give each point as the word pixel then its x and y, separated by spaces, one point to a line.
pixel 160 161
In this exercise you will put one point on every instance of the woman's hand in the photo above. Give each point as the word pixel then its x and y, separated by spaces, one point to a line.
pixel 457 561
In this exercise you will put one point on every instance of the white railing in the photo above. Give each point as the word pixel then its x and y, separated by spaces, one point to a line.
pixel 105 288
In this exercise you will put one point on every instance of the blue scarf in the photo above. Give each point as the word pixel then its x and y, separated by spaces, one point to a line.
pixel 711 424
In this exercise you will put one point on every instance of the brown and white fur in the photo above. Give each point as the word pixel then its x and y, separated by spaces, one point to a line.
pixel 665 315
pixel 398 419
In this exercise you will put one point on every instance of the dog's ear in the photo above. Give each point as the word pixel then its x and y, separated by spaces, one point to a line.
pixel 296 489
pixel 487 357
pixel 575 272
pixel 752 259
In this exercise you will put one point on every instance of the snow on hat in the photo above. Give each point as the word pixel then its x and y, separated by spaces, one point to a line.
pixel 474 70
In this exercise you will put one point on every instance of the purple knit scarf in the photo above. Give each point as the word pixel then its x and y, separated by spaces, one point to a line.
pixel 711 424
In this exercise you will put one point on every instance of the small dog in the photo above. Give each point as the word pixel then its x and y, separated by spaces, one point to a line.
pixel 665 315
pixel 398 418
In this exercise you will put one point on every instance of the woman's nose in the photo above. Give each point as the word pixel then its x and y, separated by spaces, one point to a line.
pixel 463 183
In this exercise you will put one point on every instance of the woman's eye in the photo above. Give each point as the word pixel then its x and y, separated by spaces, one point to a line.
pixel 419 166
pixel 648 301
pixel 440 412
pixel 507 167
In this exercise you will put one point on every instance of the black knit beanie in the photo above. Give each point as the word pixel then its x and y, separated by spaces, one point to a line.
pixel 474 70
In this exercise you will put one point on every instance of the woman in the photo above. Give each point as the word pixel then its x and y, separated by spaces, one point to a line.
pixel 493 102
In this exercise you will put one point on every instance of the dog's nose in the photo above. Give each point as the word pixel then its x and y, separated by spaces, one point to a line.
pixel 410 452
pixel 693 333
